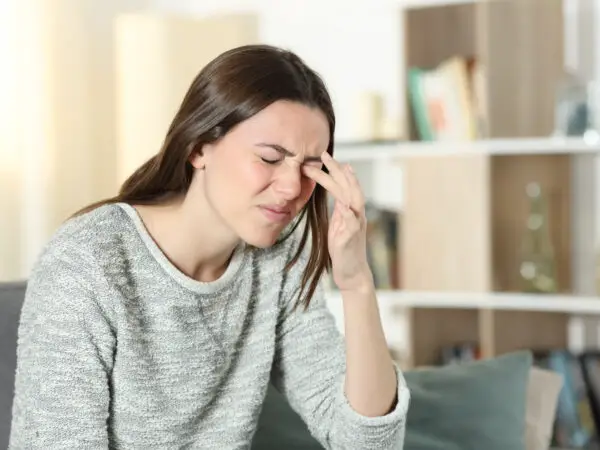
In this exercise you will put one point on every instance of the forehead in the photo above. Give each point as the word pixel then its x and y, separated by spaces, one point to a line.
pixel 292 125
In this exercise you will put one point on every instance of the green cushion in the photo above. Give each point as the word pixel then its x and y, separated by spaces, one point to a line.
pixel 472 406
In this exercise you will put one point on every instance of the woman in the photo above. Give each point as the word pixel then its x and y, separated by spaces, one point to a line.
pixel 156 319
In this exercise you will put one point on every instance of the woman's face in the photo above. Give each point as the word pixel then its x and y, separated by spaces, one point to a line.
pixel 253 176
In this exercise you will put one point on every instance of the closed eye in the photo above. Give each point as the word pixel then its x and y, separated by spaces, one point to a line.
pixel 271 161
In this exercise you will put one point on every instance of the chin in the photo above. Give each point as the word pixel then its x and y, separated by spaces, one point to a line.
pixel 261 239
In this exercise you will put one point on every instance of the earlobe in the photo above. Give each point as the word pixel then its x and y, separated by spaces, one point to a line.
pixel 197 160
pixel 199 156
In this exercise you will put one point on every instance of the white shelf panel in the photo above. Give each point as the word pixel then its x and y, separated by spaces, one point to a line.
pixel 418 4
pixel 390 151
pixel 495 301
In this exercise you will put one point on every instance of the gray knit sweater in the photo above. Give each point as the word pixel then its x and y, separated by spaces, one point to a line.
pixel 119 349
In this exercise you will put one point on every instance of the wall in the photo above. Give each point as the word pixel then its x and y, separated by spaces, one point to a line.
pixel 10 164
pixel 58 113
pixel 353 55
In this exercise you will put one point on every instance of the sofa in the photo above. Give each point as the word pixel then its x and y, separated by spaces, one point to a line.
pixel 502 403
pixel 11 295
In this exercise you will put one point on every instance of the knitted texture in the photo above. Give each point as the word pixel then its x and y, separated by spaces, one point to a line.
pixel 119 349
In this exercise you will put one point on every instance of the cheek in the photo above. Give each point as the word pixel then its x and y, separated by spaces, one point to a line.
pixel 256 177
pixel 308 186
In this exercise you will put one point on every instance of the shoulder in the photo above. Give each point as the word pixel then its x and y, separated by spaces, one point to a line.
pixel 68 277
pixel 85 241
pixel 89 228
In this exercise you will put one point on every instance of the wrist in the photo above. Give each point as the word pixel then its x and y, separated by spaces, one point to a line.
pixel 363 285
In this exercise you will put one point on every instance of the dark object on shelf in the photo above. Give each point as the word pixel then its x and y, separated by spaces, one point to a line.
pixel 576 424
pixel 575 107
pixel 459 353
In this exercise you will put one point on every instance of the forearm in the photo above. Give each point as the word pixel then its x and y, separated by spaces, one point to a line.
pixel 371 382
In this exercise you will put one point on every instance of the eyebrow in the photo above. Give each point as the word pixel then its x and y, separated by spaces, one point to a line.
pixel 286 152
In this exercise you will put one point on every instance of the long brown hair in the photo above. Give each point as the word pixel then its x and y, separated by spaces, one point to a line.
pixel 230 89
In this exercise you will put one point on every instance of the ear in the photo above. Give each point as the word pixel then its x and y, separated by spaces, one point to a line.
pixel 200 155
pixel 197 160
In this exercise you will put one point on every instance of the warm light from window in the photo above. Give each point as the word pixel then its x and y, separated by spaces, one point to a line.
pixel 8 89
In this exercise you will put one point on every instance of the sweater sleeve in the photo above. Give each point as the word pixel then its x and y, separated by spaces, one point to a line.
pixel 64 356
pixel 309 370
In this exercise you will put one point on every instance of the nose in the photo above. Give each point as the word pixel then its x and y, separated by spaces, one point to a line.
pixel 288 184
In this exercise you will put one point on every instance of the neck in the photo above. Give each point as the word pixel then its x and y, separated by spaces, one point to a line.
pixel 191 235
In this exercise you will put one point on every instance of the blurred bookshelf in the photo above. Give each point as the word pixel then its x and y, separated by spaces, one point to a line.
pixel 464 206
pixel 452 267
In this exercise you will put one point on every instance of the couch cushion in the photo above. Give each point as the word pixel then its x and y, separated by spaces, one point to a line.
pixel 280 426
pixel 472 406
pixel 11 300
pixel 468 407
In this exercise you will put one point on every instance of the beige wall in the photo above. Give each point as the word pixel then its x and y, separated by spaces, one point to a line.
pixel 11 165
pixel 157 58
pixel 61 136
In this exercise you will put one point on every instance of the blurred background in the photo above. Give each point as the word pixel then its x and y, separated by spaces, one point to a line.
pixel 473 125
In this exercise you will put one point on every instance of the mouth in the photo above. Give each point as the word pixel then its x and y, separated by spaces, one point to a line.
pixel 276 214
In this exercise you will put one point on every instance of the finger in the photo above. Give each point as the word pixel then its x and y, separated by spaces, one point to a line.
pixel 349 219
pixel 328 183
pixel 356 193
pixel 335 169
pixel 336 218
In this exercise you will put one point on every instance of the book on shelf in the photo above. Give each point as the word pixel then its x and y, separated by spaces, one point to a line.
pixel 448 102
pixel 459 353
pixel 576 423
pixel 590 362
